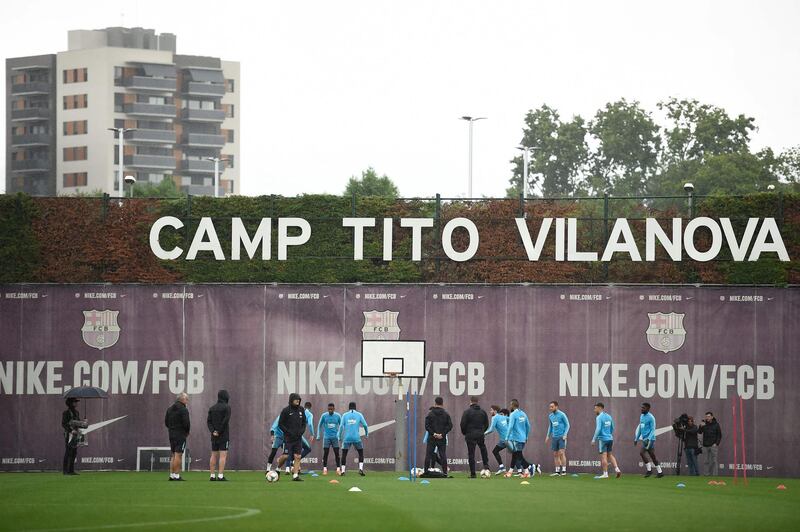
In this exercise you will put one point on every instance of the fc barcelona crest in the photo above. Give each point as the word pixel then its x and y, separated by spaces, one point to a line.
pixel 100 328
pixel 380 325
pixel 666 332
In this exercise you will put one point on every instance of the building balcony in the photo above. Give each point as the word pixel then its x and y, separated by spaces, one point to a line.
pixel 30 140
pixel 163 162
pixel 155 136
pixel 194 88
pixel 33 87
pixel 31 165
pixel 203 140
pixel 203 115
pixel 198 167
pixel 145 83
pixel 32 113
pixel 150 109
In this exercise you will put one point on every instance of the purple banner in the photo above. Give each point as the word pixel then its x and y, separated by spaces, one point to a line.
pixel 683 349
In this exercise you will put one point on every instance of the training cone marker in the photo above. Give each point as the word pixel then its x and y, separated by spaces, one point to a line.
pixel 781 487
pixel 681 485
pixel 525 483
pixel 712 482
pixel 575 475
pixel 354 489
pixel 425 482
pixel 334 481
pixel 314 475
pixel 402 478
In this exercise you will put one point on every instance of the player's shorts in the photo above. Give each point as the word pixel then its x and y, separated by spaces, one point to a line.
pixel 516 446
pixel 177 445
pixel 293 447
pixel 501 445
pixel 556 444
pixel 220 444
pixel 648 445
pixel 357 444
pixel 330 442
pixel 605 446
pixel 277 443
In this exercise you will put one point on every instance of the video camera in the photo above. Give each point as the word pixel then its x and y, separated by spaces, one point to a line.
pixel 679 425
pixel 80 437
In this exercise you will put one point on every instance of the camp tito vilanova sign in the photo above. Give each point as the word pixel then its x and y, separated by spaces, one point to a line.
pixel 761 236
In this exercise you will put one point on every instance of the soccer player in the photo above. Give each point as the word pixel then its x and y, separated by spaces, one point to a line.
pixel 500 426
pixel 474 422
pixel 177 422
pixel 219 416
pixel 558 430
pixel 349 435
pixel 277 442
pixel 328 430
pixel 519 426
pixel 437 424
pixel 604 436
pixel 292 423
pixel 646 432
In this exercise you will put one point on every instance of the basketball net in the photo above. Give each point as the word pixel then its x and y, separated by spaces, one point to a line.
pixel 391 376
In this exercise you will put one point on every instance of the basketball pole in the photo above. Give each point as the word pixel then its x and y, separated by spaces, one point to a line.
pixel 400 428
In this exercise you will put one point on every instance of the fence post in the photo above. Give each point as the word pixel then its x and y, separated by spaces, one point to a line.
pixel 691 204
pixel 522 205
pixel 104 205
pixel 605 232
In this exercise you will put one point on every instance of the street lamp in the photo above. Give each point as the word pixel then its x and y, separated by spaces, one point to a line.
pixel 216 161
pixel 121 132
pixel 526 161
pixel 130 180
pixel 471 120
pixel 689 189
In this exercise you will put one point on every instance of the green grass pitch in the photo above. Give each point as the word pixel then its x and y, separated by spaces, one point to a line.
pixel 147 501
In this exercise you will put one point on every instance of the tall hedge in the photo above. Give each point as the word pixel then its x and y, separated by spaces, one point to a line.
pixel 69 239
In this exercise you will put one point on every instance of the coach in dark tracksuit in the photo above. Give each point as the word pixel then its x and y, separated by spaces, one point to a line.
pixel 292 423
pixel 437 425
pixel 219 416
pixel 70 436
pixel 474 422
pixel 177 422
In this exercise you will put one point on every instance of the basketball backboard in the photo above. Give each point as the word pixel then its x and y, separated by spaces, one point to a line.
pixel 405 358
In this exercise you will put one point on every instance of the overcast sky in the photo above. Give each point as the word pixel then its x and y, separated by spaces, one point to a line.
pixel 330 88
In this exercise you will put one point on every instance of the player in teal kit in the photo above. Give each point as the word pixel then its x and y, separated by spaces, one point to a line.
pixel 646 432
pixel 500 426
pixel 519 426
pixel 558 429
pixel 352 421
pixel 277 442
pixel 604 436
pixel 328 430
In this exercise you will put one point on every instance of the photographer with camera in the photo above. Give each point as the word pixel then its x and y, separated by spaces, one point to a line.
pixel 712 436
pixel 71 435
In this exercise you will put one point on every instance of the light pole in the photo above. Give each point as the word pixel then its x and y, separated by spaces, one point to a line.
pixel 471 121
pixel 216 161
pixel 121 133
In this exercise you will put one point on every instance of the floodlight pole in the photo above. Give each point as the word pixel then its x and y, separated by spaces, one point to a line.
pixel 471 121
pixel 121 132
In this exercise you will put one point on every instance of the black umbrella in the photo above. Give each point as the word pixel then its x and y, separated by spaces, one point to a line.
pixel 86 392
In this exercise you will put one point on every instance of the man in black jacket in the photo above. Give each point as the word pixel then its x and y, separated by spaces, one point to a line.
pixel 474 422
pixel 292 423
pixel 437 425
pixel 690 447
pixel 219 415
pixel 712 437
pixel 70 436
pixel 177 423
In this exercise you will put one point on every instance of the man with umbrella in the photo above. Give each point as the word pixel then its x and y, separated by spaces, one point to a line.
pixel 71 435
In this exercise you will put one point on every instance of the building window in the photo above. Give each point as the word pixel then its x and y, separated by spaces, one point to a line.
pixel 230 161
pixel 230 85
pixel 76 75
pixel 75 179
pixel 77 127
pixel 229 111
pixel 77 153
pixel 229 135
pixel 76 101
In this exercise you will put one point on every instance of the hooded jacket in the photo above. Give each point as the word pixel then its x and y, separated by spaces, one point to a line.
pixel 177 420
pixel 712 433
pixel 438 422
pixel 292 420
pixel 219 415
pixel 474 422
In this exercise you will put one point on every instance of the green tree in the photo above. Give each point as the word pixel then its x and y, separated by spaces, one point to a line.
pixel 559 154
pixel 628 146
pixel 370 184
pixel 164 189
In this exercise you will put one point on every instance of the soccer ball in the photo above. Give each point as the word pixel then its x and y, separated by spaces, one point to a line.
pixel 486 473
pixel 273 476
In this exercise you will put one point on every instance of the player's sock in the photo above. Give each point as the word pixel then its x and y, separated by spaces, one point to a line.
pixel 648 466
pixel 220 476
pixel 361 466
pixel 269 468
pixel 658 468
pixel 344 467
pixel 213 476
pixel 616 470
